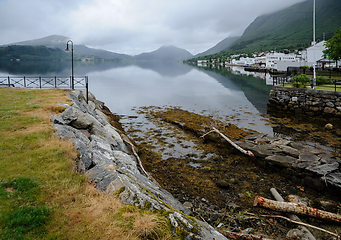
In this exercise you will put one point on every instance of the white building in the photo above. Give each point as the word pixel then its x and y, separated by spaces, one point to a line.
pixel 313 53
pixel 261 61
pixel 244 61
pixel 273 58
pixel 203 63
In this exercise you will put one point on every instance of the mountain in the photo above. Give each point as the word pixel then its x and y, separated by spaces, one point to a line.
pixel 59 42
pixel 291 28
pixel 222 45
pixel 36 53
pixel 164 54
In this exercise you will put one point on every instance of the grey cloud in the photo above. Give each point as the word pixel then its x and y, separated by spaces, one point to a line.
pixel 130 26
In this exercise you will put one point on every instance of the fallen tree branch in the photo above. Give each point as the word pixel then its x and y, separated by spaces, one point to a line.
pixel 297 209
pixel 231 142
pixel 300 223
pixel 138 158
pixel 292 217
pixel 240 236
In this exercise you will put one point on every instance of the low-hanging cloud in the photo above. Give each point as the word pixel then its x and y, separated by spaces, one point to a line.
pixel 130 26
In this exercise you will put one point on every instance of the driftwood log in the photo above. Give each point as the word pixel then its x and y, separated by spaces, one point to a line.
pixel 292 217
pixel 138 158
pixel 296 209
pixel 231 142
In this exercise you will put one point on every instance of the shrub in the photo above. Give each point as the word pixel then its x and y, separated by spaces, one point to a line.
pixel 322 80
pixel 300 80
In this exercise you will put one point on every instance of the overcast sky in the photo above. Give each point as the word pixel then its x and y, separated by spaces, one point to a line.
pixel 133 26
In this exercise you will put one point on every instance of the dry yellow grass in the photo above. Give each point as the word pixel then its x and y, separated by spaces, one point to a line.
pixel 78 210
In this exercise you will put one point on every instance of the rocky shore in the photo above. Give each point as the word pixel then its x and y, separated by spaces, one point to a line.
pixel 106 157
pixel 312 167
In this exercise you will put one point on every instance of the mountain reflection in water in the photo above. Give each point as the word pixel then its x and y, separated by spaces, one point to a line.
pixel 240 99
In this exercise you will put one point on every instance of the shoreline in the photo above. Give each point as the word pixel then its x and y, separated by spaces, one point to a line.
pixel 113 169
pixel 108 177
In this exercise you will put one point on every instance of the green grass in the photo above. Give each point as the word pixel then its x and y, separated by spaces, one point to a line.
pixel 320 87
pixel 329 88
pixel 19 212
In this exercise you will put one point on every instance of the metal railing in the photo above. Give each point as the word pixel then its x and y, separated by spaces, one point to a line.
pixel 329 85
pixel 281 79
pixel 47 82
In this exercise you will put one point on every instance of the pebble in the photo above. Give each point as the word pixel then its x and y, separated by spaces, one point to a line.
pixel 295 234
pixel 188 205
pixel 329 126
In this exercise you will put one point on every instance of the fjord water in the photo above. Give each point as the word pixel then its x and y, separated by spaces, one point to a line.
pixel 215 92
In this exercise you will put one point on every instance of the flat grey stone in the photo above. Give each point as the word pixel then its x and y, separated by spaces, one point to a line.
pixel 267 139
pixel 300 167
pixel 253 136
pixel 261 151
pixel 324 168
pixel 308 158
pixel 245 145
pixel 290 151
pixel 281 142
pixel 311 151
pixel 281 161
pixel 296 146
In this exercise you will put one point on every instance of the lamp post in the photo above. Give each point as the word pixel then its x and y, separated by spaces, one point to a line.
pixel 67 49
pixel 314 42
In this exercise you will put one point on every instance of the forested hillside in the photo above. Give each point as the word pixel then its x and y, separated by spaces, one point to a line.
pixel 291 28
pixel 32 53
pixel 288 29
pixel 57 42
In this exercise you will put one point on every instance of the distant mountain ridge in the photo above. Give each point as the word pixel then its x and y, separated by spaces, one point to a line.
pixel 222 45
pixel 165 53
pixel 290 28
pixel 59 42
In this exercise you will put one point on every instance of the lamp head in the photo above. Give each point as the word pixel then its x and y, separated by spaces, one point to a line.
pixel 67 47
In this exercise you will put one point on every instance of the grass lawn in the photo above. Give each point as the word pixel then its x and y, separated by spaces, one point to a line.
pixel 325 87
pixel 41 197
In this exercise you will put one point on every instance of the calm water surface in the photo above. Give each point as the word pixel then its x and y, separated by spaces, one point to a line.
pixel 215 92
